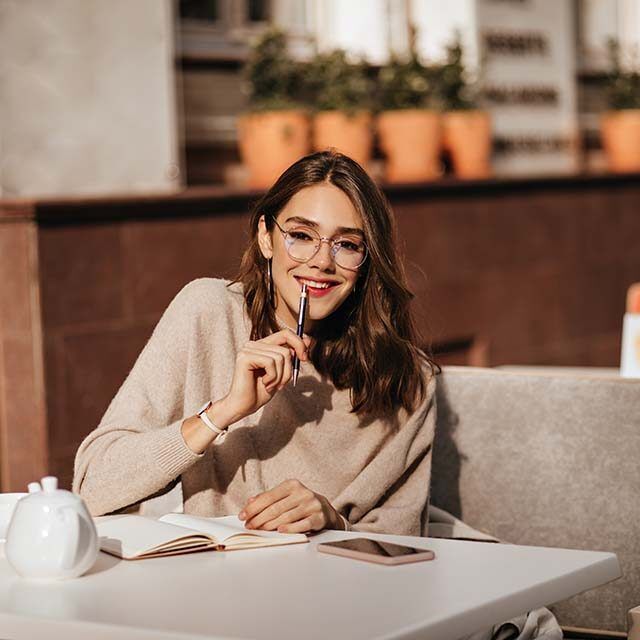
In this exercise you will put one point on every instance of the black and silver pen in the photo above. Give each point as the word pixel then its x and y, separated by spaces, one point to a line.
pixel 302 313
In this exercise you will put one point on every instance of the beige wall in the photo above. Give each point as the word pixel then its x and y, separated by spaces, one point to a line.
pixel 87 97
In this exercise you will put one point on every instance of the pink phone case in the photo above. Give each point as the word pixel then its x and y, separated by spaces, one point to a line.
pixel 372 557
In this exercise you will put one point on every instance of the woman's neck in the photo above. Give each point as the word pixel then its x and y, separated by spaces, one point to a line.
pixel 283 325
pixel 287 320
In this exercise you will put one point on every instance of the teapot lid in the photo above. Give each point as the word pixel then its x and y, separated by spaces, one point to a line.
pixel 50 494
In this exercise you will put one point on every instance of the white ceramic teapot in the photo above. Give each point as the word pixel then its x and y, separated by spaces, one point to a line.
pixel 51 535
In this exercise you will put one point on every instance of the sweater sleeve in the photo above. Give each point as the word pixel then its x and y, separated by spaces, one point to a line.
pixel 137 449
pixel 391 495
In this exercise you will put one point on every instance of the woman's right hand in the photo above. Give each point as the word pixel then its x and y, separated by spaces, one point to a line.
pixel 263 368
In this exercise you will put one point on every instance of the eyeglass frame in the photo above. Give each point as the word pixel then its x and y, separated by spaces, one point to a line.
pixel 332 247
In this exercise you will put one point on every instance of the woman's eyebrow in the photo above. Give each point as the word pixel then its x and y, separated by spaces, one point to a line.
pixel 301 220
pixel 311 223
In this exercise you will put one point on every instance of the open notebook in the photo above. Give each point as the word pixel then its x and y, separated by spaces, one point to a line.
pixel 135 537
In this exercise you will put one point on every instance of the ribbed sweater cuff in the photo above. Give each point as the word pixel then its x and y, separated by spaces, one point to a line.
pixel 171 451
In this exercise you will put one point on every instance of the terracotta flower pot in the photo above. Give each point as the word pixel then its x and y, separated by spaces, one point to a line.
pixel 620 132
pixel 467 137
pixel 349 134
pixel 410 139
pixel 270 142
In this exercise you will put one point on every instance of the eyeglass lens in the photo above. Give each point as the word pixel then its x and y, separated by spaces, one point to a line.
pixel 303 243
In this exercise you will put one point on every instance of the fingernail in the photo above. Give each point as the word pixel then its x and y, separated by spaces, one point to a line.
pixel 242 515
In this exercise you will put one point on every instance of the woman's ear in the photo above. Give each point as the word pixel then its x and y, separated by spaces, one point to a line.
pixel 264 239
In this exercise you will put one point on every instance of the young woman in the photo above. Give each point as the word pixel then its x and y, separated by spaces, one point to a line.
pixel 210 400
pixel 349 446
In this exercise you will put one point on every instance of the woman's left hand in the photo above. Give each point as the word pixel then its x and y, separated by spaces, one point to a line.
pixel 290 508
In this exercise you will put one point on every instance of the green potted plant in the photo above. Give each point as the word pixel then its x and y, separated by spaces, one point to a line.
pixel 620 125
pixel 275 131
pixel 408 124
pixel 340 93
pixel 466 128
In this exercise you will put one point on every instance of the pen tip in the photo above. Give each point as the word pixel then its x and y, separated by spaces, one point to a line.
pixel 295 377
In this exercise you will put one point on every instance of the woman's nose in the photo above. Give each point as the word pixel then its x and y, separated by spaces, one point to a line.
pixel 324 256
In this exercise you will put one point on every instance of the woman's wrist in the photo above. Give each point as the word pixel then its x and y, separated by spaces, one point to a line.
pixel 198 436
pixel 221 415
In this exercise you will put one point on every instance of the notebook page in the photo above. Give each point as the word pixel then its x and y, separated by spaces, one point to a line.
pixel 226 527
pixel 128 536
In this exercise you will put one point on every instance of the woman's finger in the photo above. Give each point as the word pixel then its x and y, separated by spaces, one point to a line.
pixel 280 357
pixel 265 499
pixel 287 364
pixel 253 360
pixel 287 371
pixel 289 339
pixel 274 512
pixel 298 512
pixel 300 526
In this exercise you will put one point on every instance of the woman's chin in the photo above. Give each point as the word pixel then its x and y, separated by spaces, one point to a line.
pixel 322 309
pixel 322 314
pixel 319 309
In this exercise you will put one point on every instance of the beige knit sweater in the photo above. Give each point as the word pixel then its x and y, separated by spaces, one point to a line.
pixel 376 474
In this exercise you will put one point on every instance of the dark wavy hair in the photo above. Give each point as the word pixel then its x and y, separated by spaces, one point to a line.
pixel 370 344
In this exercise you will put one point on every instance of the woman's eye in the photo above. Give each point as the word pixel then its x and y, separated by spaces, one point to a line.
pixel 296 234
pixel 349 245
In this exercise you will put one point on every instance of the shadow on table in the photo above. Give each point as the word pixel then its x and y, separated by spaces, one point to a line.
pixel 104 562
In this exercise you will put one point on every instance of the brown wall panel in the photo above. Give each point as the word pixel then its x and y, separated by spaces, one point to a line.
pixel 23 450
pixel 520 272
pixel 525 270
pixel 121 275
pixel 16 253
pixel 459 239
pixel 23 447
pixel 161 256
pixel 92 366
pixel 82 274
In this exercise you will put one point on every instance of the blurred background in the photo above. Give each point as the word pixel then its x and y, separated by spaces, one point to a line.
pixel 134 137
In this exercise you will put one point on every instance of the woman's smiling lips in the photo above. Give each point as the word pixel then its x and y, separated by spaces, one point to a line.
pixel 317 288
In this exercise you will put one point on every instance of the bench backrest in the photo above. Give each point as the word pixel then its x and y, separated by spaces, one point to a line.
pixel 547 460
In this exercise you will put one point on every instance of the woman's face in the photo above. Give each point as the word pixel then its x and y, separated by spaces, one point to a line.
pixel 329 211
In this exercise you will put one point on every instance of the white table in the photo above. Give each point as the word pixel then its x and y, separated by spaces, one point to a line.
pixel 296 592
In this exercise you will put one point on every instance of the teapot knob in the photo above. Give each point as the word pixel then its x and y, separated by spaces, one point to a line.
pixel 49 484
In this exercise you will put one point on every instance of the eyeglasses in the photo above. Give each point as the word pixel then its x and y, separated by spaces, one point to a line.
pixel 303 243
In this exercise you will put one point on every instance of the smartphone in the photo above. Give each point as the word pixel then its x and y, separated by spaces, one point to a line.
pixel 376 551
